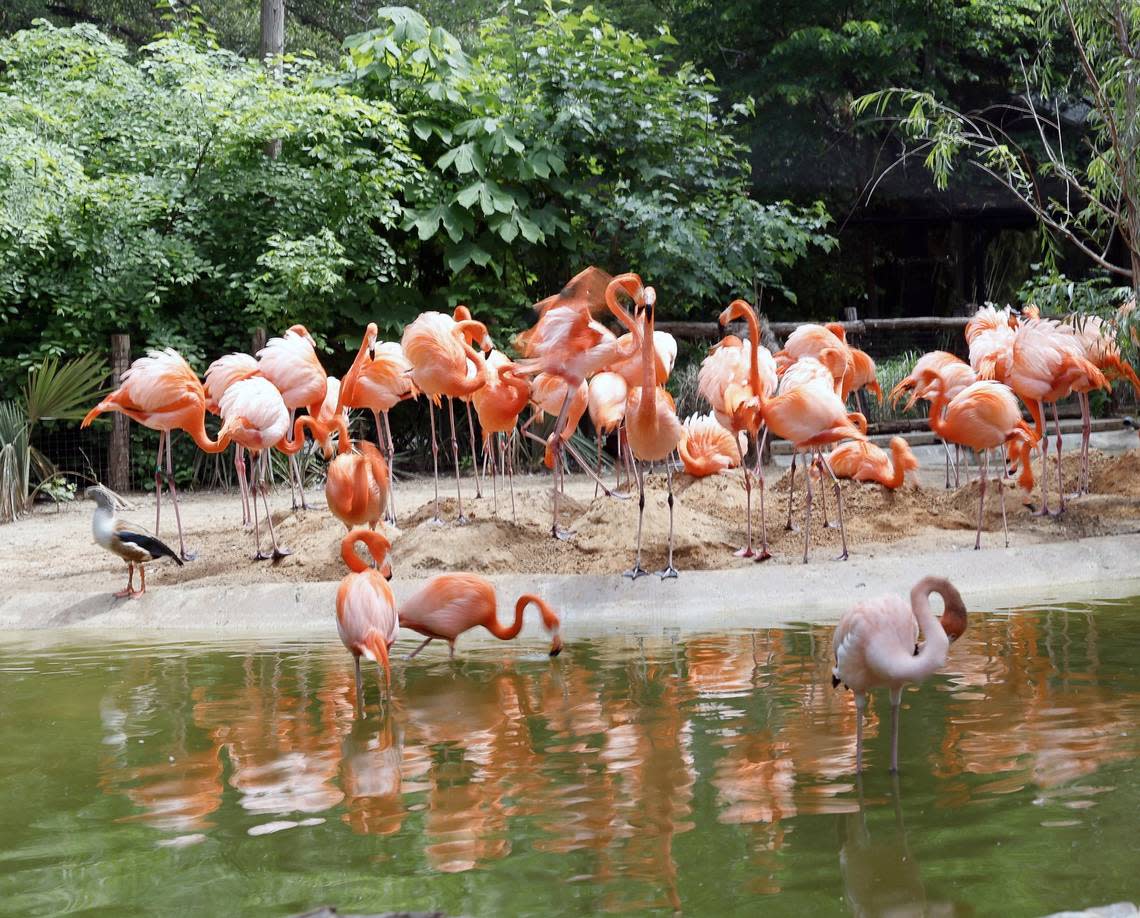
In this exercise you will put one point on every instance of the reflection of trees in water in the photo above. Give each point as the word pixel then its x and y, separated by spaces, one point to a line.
pixel 598 757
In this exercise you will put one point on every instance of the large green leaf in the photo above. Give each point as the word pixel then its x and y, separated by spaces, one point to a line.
pixel 64 391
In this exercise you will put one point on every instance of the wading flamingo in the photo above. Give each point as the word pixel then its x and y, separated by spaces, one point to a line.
pixel 861 460
pixel 378 380
pixel 606 404
pixel 653 431
pixel 131 543
pixel 876 644
pixel 220 375
pixel 1048 363
pixel 566 343
pixel 450 604
pixel 290 363
pixel 437 348
pixel 499 404
pixel 366 617
pixel 356 486
pixel 706 447
pixel 982 417
pixel 161 392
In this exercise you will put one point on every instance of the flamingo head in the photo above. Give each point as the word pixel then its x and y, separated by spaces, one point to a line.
pixel 301 332
pixel 370 334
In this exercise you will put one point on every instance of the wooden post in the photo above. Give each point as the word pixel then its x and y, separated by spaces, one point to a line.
pixel 258 340
pixel 850 314
pixel 272 47
pixel 119 461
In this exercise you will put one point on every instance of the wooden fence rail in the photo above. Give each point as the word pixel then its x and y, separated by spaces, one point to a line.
pixel 700 331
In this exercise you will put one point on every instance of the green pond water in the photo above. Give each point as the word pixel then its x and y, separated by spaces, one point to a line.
pixel 712 774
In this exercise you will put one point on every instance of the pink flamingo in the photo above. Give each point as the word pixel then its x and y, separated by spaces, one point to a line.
pixel 606 403
pixel 876 644
pixel 366 617
pixel 499 404
pixel 220 375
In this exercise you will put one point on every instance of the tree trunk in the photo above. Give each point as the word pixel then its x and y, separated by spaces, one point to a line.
pixel 272 47
pixel 119 460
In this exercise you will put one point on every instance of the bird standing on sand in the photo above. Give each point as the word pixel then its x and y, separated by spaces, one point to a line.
pixel 450 604
pixel 876 644
pixel 131 543
pixel 365 607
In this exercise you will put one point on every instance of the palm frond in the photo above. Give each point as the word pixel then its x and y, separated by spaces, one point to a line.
pixel 15 461
pixel 64 391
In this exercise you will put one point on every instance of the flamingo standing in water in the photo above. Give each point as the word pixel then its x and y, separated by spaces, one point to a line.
pixel 876 644
pixel 161 392
pixel 437 348
pixel 568 343
pixel 378 380
pixel 982 416
pixel 447 605
pixel 499 404
pixel 653 431
pixel 356 486
pixel 366 618
pixel 606 403
pixel 290 363
pixel 861 460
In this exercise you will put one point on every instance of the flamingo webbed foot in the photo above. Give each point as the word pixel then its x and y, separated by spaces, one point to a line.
pixel 791 527
pixel 844 556
pixel 123 594
pixel 135 594
pixel 280 553
pixel 636 571
pixel 563 535
pixel 745 552
pixel 762 555
pixel 670 573
pixel 462 520
pixel 189 555
pixel 261 556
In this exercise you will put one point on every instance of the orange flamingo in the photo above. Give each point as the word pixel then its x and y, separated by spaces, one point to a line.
pixel 566 343
pixel 463 314
pixel 438 350
pixel 1047 364
pixel 290 363
pixel 955 374
pixel 356 486
pixel 606 403
pixel 378 380
pixel 499 404
pixel 982 416
pixel 366 617
pixel 876 643
pixel 450 604
pixel 706 447
pixel 861 460
pixel 740 407
pixel 653 432
pixel 220 375
pixel 161 392
pixel 860 374
pixel 810 341
pixel 989 334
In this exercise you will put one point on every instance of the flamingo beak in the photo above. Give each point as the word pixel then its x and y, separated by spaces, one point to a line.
pixel 556 645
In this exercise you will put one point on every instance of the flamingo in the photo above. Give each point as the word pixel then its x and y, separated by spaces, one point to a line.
pixel 664 357
pixel 161 392
pixel 861 460
pixel 989 334
pixel 463 314
pixel 499 404
pixel 378 380
pixel 810 341
pixel 366 617
pixel 131 543
pixel 653 432
pixel 955 374
pixel 706 447
pixel 450 604
pixel 739 407
pixel 290 363
pixel 436 346
pixel 220 375
pixel 606 403
pixel 876 643
pixel 566 343
pixel 860 374
pixel 1100 348
pixel 983 416
pixel 1047 364
pixel 356 486
pixel 254 414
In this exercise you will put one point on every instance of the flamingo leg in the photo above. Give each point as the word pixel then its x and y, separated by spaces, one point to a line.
pixel 764 554
pixel 807 513
pixel 896 703
pixel 982 497
pixel 391 467
pixel 1060 474
pixel 130 590
pixel 507 447
pixel 158 482
pixel 474 453
pixel 746 551
pixel 255 467
pixel 359 685
pixel 185 555
pixel 946 447
pixel 639 473
pixel 1086 433
pixel 791 487
pixel 278 551
pixel 243 485
pixel 860 708
pixel 556 444
pixel 489 450
pixel 839 504
pixel 670 572
pixel 295 469
pixel 434 460
pixel 1001 497
pixel 817 465
pixel 461 519
pixel 422 645
pixel 598 483
pixel 1044 443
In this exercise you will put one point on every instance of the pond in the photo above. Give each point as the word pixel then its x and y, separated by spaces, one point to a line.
pixel 712 774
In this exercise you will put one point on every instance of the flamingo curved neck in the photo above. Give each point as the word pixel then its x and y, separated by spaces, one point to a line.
pixel 377 545
pixel 198 432
pixel 624 281
pixel 935 640
pixel 898 469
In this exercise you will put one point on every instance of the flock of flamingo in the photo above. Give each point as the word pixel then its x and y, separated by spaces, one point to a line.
pixel 569 363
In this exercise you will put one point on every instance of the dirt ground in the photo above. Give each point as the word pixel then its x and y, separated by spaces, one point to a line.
pixel 54 549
